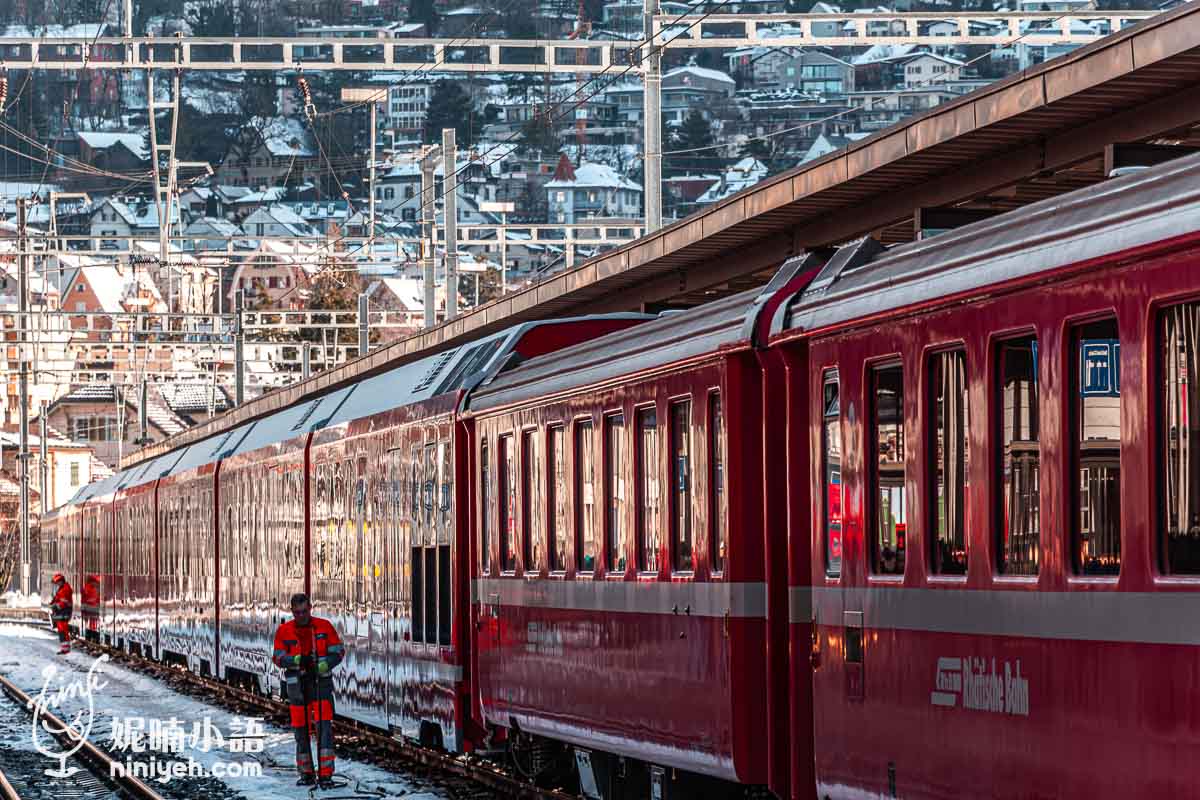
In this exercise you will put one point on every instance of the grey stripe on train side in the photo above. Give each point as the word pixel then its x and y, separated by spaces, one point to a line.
pixel 697 599
pixel 1104 615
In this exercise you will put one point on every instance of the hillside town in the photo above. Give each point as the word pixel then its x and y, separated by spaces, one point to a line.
pixel 281 205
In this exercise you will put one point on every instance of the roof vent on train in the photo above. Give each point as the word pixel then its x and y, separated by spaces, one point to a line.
pixel 473 362
pixel 435 369
pixel 846 258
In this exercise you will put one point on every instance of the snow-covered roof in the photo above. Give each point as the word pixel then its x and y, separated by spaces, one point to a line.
pixel 142 214
pixel 589 174
pixel 281 215
pixel 700 72
pixel 271 194
pixel 286 136
pixel 212 225
pixel 409 292
pixel 883 52
pixel 827 143
pixel 743 174
pixel 114 287
pixel 103 140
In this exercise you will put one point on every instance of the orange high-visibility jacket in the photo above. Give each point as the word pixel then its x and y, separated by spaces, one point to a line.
pixel 62 605
pixel 323 644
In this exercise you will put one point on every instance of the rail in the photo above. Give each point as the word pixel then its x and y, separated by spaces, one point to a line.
pixel 471 768
pixel 94 759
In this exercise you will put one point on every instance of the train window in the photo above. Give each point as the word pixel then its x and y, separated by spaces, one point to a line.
pixel 485 508
pixel 532 506
pixel 431 594
pixel 428 489
pixel 681 485
pixel 949 466
pixel 444 575
pixel 718 531
pixel 418 595
pixel 614 493
pixel 1096 451
pixel 647 488
pixel 831 451
pixel 887 479
pixel 585 497
pixel 557 486
pixel 1178 435
pixel 1019 524
pixel 508 502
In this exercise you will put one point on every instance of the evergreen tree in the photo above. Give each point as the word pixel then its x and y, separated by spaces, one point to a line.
pixel 450 107
pixel 424 11
pixel 695 132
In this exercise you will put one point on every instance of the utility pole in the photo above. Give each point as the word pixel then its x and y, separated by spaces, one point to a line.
pixel 45 454
pixel 23 385
pixel 364 331
pixel 372 97
pixel 128 20
pixel 652 108
pixel 427 236
pixel 305 361
pixel 239 349
pixel 450 212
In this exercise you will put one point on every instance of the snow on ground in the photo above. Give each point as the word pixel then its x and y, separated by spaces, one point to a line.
pixel 17 600
pixel 26 652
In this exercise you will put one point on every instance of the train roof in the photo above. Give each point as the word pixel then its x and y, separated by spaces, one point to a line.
pixel 672 337
pixel 865 279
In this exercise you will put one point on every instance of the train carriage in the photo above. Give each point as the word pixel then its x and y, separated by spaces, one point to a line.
pixel 1000 550
pixel 620 597
pixel 263 531
pixel 188 558
pixel 134 615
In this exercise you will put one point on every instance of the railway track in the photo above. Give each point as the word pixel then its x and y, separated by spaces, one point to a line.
pixel 96 778
pixel 465 776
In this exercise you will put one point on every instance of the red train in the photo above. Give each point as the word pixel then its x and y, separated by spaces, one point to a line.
pixel 911 522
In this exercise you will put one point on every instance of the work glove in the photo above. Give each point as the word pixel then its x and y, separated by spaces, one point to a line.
pixel 322 667
pixel 302 663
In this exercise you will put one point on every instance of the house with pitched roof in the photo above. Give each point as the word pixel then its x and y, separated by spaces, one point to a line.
pixel 591 191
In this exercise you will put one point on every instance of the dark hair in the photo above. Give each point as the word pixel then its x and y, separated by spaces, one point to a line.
pixel 300 599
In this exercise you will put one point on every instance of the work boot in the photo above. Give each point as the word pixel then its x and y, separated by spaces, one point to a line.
pixel 325 783
pixel 306 780
pixel 64 649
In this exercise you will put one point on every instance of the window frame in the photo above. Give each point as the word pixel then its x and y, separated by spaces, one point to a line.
pixel 647 564
pixel 931 508
pixel 872 483
pixel 716 502
pixel 1073 566
pixel 553 490
pixel 611 541
pixel 583 428
pixel 831 375
pixel 505 529
pixel 485 493
pixel 1161 556
pixel 996 460
pixel 675 403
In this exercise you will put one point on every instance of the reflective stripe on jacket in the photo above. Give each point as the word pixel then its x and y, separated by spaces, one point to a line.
pixel 325 642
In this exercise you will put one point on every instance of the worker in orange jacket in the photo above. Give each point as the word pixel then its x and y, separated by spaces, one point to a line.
pixel 308 648
pixel 91 606
pixel 61 608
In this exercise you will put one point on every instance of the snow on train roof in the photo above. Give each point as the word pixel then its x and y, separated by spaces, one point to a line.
pixel 1121 213
pixel 673 337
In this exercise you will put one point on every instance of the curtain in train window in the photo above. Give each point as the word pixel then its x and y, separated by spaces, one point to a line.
pixel 718 529
pixel 1019 548
pixel 647 488
pixel 485 508
pixel 1096 451
pixel 557 486
pixel 681 485
pixel 1179 435
pixel 887 470
pixel 948 394
pixel 585 497
pixel 508 502
pixel 614 489
pixel 533 505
